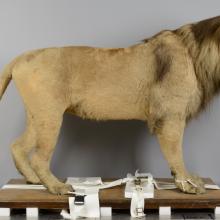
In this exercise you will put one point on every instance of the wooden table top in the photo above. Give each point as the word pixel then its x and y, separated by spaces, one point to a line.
pixel 112 197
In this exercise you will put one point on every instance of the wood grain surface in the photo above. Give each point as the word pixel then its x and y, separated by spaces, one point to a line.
pixel 113 197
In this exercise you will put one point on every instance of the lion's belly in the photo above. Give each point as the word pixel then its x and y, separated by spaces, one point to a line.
pixel 108 107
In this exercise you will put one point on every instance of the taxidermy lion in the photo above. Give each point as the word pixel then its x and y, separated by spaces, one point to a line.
pixel 163 81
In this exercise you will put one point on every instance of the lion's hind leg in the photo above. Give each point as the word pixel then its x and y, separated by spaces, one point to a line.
pixel 47 125
pixel 21 150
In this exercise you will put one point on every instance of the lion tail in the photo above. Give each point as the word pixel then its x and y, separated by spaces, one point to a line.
pixel 5 79
pixel 6 76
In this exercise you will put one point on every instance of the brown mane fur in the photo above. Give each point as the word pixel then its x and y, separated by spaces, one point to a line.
pixel 203 42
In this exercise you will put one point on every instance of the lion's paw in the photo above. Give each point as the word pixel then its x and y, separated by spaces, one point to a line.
pixel 190 184
pixel 60 189
pixel 33 180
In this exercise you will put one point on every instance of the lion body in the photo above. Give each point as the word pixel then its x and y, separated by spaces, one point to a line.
pixel 160 81
pixel 110 84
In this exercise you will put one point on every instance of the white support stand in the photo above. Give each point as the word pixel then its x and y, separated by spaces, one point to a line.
pixel 165 211
pixel 5 212
pixel 32 212
pixel 106 211
pixel 217 210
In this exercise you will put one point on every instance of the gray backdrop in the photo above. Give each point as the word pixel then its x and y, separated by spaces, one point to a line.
pixel 108 149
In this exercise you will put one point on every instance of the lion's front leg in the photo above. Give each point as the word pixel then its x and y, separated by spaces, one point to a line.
pixel 170 136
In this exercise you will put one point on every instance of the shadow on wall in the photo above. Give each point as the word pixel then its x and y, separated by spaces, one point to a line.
pixel 91 148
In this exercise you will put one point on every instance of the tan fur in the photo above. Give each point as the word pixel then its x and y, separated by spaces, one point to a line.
pixel 163 81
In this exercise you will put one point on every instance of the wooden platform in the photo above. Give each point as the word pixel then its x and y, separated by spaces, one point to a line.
pixel 114 197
